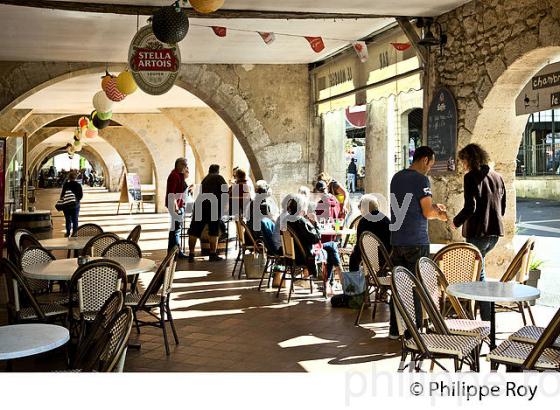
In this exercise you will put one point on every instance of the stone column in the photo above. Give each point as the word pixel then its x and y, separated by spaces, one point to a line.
pixel 334 137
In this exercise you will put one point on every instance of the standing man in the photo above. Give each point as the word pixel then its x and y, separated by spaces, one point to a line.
pixel 411 197
pixel 352 175
pixel 175 202
pixel 208 210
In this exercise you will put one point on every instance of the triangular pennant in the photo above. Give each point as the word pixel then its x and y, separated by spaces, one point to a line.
pixel 361 49
pixel 316 43
pixel 219 31
pixel 268 38
pixel 401 46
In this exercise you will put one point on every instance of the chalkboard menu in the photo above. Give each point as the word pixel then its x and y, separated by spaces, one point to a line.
pixel 442 130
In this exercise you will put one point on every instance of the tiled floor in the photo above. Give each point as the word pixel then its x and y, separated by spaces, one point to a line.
pixel 227 325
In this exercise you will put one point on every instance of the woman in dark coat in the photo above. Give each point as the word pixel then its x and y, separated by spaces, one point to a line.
pixel 71 214
pixel 484 208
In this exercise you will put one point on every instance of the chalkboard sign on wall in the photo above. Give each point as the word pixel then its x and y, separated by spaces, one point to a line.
pixel 442 130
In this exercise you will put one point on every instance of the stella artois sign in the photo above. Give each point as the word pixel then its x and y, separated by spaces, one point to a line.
pixel 154 65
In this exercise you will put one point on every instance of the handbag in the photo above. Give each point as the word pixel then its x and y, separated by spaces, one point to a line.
pixel 254 265
pixel 68 201
pixel 354 287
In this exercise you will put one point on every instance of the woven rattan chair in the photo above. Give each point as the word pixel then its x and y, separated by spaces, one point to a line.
pixel 31 256
pixel 88 230
pixel 524 356
pixel 459 262
pixel 91 285
pixel 27 241
pixel 434 282
pixel 18 233
pixel 427 346
pixel 157 295
pixel 377 272
pixel 241 230
pixel 86 351
pixel 125 248
pixel 349 242
pixel 97 245
pixel 292 270
pixel 12 244
pixel 518 270
pixel 271 261
pixel 134 235
pixel 22 305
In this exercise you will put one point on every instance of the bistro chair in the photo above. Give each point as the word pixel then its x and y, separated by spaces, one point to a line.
pixel 349 242
pixel 459 262
pixel 427 346
pixel 157 295
pixel 22 305
pixel 434 283
pixel 134 235
pixel 97 245
pixel 85 351
pixel 88 230
pixel 91 285
pixel 12 243
pixel 292 270
pixel 377 265
pixel 518 270
pixel 241 230
pixel 271 261
pixel 27 241
pixel 34 255
pixel 541 355
pixel 124 248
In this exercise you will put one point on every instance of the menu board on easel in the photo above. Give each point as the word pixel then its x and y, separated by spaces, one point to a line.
pixel 442 130
pixel 131 191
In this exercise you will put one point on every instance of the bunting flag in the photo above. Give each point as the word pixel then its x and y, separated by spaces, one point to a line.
pixel 219 31
pixel 316 43
pixel 268 38
pixel 361 49
pixel 401 46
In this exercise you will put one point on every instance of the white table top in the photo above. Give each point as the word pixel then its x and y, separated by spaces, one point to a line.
pixel 340 232
pixel 493 291
pixel 57 244
pixel 63 269
pixel 436 247
pixel 30 339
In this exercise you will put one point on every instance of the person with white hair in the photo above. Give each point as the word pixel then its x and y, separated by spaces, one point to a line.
pixel 373 221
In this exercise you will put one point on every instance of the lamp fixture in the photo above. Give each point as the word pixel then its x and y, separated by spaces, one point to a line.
pixel 428 38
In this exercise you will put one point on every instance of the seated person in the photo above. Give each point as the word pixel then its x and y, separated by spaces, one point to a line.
pixel 255 213
pixel 327 208
pixel 267 230
pixel 372 221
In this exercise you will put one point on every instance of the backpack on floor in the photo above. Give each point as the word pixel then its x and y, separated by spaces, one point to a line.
pixel 354 287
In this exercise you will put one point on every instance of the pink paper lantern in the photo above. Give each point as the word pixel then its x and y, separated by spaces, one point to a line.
pixel 91 133
pixel 113 92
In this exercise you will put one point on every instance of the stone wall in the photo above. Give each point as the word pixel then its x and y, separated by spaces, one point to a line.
pixel 494 48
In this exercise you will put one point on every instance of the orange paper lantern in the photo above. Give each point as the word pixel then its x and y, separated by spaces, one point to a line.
pixel 206 6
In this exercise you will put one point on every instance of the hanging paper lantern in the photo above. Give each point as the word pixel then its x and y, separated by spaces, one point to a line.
pixel 91 126
pixel 113 92
pixel 78 145
pixel 169 25
pixel 125 84
pixel 105 80
pixel 206 6
pixel 77 134
pixel 99 123
pixel 91 133
pixel 83 122
pixel 105 115
pixel 101 102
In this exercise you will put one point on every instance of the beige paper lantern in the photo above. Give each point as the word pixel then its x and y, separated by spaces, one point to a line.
pixel 125 84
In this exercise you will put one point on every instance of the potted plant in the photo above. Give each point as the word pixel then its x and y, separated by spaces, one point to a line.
pixel 534 274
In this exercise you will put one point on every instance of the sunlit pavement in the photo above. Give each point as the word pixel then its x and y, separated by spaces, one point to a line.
pixel 227 325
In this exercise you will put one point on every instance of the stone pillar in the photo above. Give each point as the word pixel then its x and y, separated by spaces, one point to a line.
pixel 334 137
pixel 380 163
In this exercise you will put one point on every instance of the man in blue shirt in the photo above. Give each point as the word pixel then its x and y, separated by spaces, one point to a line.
pixel 411 207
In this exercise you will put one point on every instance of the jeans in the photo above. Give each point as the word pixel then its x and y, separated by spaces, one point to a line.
pixel 351 182
pixel 484 244
pixel 175 230
pixel 333 258
pixel 71 217
pixel 407 256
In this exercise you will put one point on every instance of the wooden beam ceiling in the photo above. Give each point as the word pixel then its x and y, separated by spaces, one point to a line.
pixel 136 10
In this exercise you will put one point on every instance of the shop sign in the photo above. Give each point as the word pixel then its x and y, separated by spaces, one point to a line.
pixel 153 64
pixel 541 93
pixel 555 99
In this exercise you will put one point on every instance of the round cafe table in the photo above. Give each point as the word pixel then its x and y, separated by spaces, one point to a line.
pixel 493 292
pixel 63 269
pixel 71 243
pixel 30 339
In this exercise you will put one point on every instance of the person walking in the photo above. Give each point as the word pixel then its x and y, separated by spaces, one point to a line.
pixel 71 214
pixel 208 210
pixel 352 175
pixel 175 202
pixel 411 193
pixel 484 207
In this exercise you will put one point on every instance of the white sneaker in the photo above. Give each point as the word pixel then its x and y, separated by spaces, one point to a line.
pixel 394 337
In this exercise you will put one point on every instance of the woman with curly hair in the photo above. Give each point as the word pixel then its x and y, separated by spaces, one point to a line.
pixel 484 208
